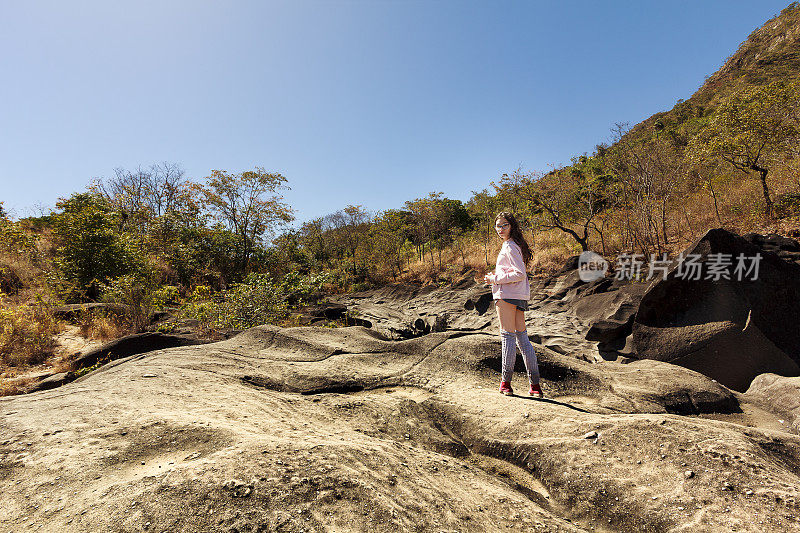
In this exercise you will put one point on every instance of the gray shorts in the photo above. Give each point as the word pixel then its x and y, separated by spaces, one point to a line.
pixel 521 304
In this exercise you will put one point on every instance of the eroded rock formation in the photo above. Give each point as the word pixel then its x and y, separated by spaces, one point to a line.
pixel 399 426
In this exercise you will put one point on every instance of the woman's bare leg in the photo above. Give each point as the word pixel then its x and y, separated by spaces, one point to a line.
pixel 519 319
pixel 506 312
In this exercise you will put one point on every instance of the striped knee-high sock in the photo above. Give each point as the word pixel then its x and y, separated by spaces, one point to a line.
pixel 529 355
pixel 509 350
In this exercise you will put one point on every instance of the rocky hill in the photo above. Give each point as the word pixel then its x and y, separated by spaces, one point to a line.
pixel 770 53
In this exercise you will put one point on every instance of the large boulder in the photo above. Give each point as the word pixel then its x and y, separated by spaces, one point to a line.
pixel 779 394
pixel 729 329
pixel 605 307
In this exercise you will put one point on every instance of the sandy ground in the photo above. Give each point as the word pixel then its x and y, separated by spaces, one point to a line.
pixel 313 429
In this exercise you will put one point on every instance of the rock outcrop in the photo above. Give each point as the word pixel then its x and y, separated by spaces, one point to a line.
pixel 341 429
pixel 781 394
pixel 730 329
pixel 399 426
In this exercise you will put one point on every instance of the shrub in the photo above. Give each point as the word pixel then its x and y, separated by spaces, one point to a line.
pixel 788 204
pixel 26 333
pixel 360 286
pixel 198 306
pixel 301 287
pixel 138 293
pixel 254 302
pixel 165 296
pixel 10 282
pixel 91 251
pixel 15 242
pixel 101 326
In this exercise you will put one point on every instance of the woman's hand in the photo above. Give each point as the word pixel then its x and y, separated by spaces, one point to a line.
pixel 488 278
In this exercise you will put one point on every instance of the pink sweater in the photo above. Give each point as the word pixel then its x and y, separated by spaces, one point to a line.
pixel 510 279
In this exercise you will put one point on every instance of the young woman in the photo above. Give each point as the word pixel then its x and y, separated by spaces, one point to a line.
pixel 511 291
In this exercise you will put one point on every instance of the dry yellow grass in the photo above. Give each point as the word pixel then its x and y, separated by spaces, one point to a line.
pixel 550 250
pixel 739 208
pixel 11 387
pixel 26 333
pixel 103 328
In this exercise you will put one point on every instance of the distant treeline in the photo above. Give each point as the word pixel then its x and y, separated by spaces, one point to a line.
pixel 654 187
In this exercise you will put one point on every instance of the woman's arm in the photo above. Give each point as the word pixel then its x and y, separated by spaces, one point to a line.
pixel 513 272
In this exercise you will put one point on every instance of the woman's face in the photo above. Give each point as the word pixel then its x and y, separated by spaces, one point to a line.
pixel 503 228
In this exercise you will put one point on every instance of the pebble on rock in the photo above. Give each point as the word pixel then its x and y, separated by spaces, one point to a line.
pixel 238 488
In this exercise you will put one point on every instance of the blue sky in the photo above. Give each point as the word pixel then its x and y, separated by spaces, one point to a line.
pixel 368 103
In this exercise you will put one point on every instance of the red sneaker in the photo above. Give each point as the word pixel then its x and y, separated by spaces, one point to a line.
pixel 505 388
pixel 536 391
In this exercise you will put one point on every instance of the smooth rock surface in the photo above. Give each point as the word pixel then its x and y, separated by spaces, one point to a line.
pixel 340 429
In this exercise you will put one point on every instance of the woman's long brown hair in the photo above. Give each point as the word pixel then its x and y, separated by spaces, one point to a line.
pixel 516 235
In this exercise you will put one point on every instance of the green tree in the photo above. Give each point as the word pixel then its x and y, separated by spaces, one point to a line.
pixel 91 252
pixel 421 228
pixel 437 220
pixel 483 207
pixel 350 227
pixel 249 204
pixel 567 199
pixel 748 129
pixel 389 233
pixel 312 237
pixel 449 222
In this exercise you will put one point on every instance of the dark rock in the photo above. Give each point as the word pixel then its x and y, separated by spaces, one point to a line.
pixel 160 316
pixel 133 345
pixel 608 330
pixel 480 303
pixel 729 330
pixel 557 286
pixel 620 346
pixel 322 312
pixel 329 311
pixel 51 382
pixel 570 264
